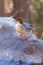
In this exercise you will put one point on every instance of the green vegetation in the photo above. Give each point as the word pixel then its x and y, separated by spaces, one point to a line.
pixel 36 19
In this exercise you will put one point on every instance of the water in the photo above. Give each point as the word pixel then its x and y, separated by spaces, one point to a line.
pixel 12 48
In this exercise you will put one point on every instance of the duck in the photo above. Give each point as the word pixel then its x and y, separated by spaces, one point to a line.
pixel 20 28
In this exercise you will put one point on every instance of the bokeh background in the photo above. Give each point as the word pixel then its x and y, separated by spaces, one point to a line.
pixel 29 10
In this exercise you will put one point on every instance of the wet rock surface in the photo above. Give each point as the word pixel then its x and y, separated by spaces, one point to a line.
pixel 12 48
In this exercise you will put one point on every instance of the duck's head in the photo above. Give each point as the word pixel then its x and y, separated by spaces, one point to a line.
pixel 20 20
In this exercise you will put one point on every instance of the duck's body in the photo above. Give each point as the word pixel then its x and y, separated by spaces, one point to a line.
pixel 20 28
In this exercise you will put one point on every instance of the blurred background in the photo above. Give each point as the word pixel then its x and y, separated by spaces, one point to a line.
pixel 29 10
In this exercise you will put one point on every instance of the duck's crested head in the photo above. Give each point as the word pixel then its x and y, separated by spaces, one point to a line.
pixel 20 20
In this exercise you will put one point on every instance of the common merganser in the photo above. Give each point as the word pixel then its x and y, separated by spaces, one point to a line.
pixel 20 28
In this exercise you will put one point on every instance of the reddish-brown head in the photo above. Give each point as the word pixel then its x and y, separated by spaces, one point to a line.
pixel 20 21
